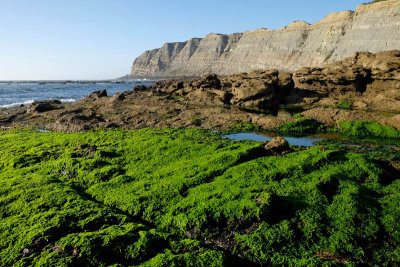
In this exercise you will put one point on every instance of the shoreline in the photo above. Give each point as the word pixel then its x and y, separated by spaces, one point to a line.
pixel 130 169
pixel 73 81
pixel 354 89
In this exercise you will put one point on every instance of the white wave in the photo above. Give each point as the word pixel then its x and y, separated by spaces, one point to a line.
pixel 30 101
pixel 16 104
pixel 69 100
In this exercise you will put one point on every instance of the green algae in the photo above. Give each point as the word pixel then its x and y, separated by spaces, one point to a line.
pixel 300 127
pixel 244 127
pixel 368 129
pixel 189 198
pixel 345 104
pixel 358 129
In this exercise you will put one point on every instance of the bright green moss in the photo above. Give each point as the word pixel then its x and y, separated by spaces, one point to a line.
pixel 367 128
pixel 64 188
pixel 244 127
pixel 201 258
pixel 190 198
pixel 303 126
pixel 197 118
pixel 298 116
pixel 345 104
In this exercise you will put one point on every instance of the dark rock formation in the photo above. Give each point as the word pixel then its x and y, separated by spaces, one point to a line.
pixel 42 106
pixel 98 94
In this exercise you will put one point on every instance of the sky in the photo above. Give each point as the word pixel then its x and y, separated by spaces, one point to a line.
pixel 99 39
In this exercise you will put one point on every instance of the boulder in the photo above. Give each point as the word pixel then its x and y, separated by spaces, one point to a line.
pixel 94 96
pixel 98 94
pixel 120 96
pixel 255 89
pixel 208 97
pixel 277 146
pixel 140 88
pixel 208 81
pixel 166 87
pixel 42 106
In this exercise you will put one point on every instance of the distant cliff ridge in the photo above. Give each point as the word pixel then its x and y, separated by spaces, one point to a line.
pixel 373 27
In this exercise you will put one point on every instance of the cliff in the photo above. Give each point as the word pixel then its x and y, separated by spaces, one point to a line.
pixel 373 27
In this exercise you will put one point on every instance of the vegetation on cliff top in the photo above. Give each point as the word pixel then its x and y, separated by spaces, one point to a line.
pixel 375 1
pixel 187 197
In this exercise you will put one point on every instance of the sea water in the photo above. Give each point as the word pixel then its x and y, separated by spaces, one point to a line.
pixel 14 94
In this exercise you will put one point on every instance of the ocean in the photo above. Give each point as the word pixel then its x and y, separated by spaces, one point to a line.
pixel 14 94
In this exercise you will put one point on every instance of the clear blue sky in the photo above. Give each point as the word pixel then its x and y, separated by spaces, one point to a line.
pixel 99 39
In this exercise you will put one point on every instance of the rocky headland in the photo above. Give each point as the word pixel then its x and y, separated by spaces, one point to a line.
pixel 364 87
pixel 371 27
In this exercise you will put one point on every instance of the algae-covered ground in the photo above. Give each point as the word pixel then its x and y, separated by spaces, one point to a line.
pixel 175 197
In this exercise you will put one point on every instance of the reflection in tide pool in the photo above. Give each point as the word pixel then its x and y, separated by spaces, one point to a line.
pixel 296 141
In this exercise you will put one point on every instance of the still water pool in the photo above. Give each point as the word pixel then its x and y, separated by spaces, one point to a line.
pixel 296 141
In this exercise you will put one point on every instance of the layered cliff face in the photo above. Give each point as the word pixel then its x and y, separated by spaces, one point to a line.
pixel 373 27
pixel 371 81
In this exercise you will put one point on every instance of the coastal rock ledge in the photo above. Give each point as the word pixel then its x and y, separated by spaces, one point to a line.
pixel 364 87
pixel 370 28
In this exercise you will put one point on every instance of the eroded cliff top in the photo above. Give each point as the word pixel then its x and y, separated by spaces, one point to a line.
pixel 371 27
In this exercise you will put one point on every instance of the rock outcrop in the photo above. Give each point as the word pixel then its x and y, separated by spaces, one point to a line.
pixel 364 81
pixel 336 92
pixel 373 27
pixel 257 89
pixel 277 146
pixel 371 80
pixel 42 106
